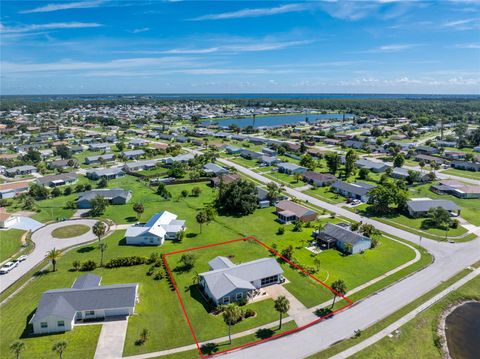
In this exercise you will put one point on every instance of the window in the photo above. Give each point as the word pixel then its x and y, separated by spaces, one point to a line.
pixel 226 300
pixel 239 296
pixel 269 280
pixel 90 312
pixel 43 325
pixel 61 323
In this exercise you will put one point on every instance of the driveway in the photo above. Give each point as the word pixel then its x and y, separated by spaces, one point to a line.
pixel 43 243
pixel 111 340
pixel 27 224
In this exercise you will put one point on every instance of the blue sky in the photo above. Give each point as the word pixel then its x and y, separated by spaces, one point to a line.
pixel 136 46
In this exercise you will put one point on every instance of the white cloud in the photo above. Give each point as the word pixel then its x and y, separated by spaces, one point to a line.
pixel 140 30
pixel 464 24
pixel 468 46
pixel 390 48
pixel 50 26
pixel 250 47
pixel 283 9
pixel 64 6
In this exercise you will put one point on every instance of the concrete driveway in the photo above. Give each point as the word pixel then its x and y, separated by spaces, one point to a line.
pixel 43 243
pixel 27 224
pixel 111 340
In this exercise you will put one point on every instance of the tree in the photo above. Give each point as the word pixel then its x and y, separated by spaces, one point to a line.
pixel 196 191
pixel 99 229
pixel 231 315
pixel 32 155
pixel 238 198
pixel 316 263
pixel 363 173
pixel 333 162
pixel 144 334
pixel 52 255
pixel 399 160
pixel 98 204
pixel 184 193
pixel 201 218
pixel 60 347
pixel 138 209
pixel 188 261
pixel 308 162
pixel 17 347
pixel 350 160
pixel 56 192
pixel 338 288
pixel 64 151
pixel 421 164
pixel 163 192
pixel 177 170
pixel 103 247
pixel 439 217
pixel 102 183
pixel 273 192
pixel 282 305
pixel 297 176
pixel 385 195
pixel 120 146
pixel 287 252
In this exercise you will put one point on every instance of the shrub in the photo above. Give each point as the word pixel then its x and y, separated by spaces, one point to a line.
pixel 249 312
pixel 151 270
pixel 310 270
pixel 126 261
pixel 281 230
pixel 154 258
pixel 67 191
pixel 297 226
pixel 242 302
pixel 76 265
pixel 455 223
pixel 158 275
pixel 88 266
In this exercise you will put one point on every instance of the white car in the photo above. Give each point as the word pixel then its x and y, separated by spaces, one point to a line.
pixel 21 258
pixel 7 267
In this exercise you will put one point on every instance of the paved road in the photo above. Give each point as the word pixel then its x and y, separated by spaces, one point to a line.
pixel 43 243
pixel 449 259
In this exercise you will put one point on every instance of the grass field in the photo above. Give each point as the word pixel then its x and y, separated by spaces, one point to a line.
pixel 70 231
pixel 417 337
pixel 461 173
pixel 10 243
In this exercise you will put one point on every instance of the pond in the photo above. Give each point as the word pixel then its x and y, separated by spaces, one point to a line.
pixel 463 331
pixel 278 120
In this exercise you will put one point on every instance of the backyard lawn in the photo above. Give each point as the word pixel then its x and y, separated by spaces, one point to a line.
pixel 10 243
pixel 70 231
pixel 461 173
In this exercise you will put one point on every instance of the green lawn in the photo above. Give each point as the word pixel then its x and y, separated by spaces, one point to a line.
pixel 70 231
pixel 10 243
pixel 417 337
pixel 324 194
pixel 284 178
pixel 461 173
pixel 470 207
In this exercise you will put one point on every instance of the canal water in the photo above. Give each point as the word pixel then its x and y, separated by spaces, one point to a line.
pixel 463 331
pixel 277 120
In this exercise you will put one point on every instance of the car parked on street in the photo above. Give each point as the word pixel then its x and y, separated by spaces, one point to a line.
pixel 7 267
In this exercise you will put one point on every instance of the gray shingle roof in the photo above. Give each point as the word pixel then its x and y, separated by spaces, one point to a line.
pixel 425 205
pixel 87 281
pixel 358 188
pixel 60 177
pixel 342 234
pixel 106 193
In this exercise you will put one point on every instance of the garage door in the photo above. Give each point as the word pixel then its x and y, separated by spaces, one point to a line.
pixel 116 312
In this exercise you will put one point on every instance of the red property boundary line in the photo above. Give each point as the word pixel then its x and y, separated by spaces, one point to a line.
pixel 251 238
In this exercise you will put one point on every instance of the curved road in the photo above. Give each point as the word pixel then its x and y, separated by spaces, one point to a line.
pixel 43 243
pixel 450 258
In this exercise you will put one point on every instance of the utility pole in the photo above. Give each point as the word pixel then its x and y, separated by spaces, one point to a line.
pixel 253 123
pixel 441 128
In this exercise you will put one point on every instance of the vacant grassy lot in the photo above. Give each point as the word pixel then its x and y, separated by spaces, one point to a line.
pixel 70 231
pixel 417 337
pixel 10 243
pixel 461 173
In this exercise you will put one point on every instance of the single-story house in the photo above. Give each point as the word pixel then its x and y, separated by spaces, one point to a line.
pixel 232 150
pixel 58 180
pixel 430 159
pixel 343 238
pixel 133 154
pixel 226 179
pixel 227 282
pixel 403 173
pixel 269 151
pixel 319 179
pixel 467 166
pixel 290 168
pixel 420 207
pixel 20 171
pixel 457 189
pixel 476 149
pixel 62 164
pixel 140 165
pixel 180 158
pixel 250 155
pixel 426 150
pixel 114 196
pixel 99 146
pixel 161 226
pixel 10 190
pixel 354 144
pixel 107 157
pixel 7 219
pixel 214 169
pixel 356 190
pixel 288 211
pixel 60 309
pixel 137 142
pixel 376 167
pixel 268 161
pixel 108 173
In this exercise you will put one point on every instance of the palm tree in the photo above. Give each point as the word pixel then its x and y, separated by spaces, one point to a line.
pixel 99 229
pixel 231 315
pixel 201 219
pixel 60 347
pixel 139 209
pixel 16 347
pixel 282 305
pixel 338 288
pixel 103 247
pixel 53 255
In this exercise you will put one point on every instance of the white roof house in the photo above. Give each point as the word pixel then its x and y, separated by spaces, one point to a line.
pixel 163 225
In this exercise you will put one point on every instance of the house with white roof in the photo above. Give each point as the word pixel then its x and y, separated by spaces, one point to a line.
pixel 163 225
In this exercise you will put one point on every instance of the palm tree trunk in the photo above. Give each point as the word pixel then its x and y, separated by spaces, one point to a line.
pixel 54 262
pixel 334 297
pixel 229 334
pixel 280 325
